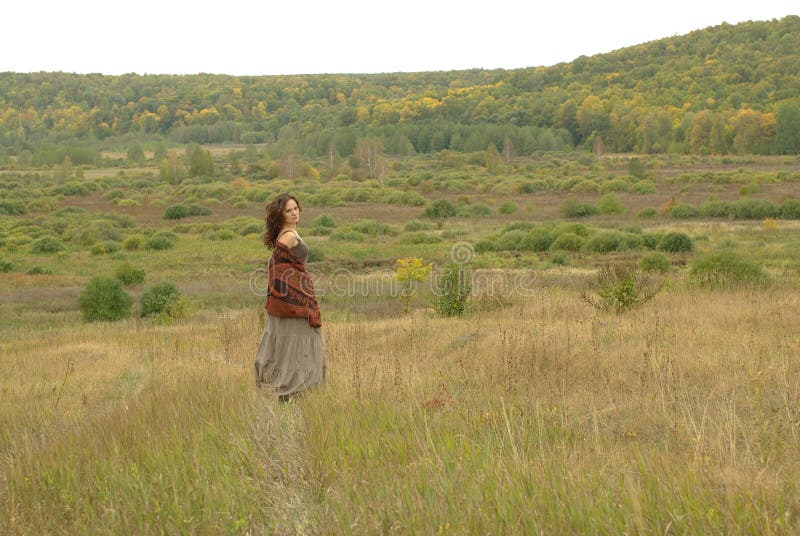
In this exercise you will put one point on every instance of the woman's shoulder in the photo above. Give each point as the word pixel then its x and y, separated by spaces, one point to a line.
pixel 288 238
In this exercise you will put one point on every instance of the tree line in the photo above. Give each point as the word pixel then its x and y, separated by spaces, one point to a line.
pixel 725 89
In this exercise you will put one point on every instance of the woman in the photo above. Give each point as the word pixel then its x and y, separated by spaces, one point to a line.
pixel 291 355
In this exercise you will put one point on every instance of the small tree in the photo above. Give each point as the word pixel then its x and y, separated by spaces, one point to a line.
pixel 200 162
pixel 408 272
pixel 104 299
pixel 453 292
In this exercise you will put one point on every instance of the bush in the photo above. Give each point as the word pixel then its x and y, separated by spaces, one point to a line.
pixel 475 210
pixel 155 299
pixel 715 209
pixel 418 237
pixel 789 209
pixel 452 294
pixel 47 244
pixel 571 227
pixel 684 211
pixel 753 209
pixel 109 246
pixel 655 262
pixel 441 208
pixel 676 242
pixel 5 266
pixel 39 270
pixel 614 185
pixel 104 299
pixel 507 208
pixel 726 269
pixel 568 242
pixel 13 207
pixel 348 235
pixel 416 225
pixel 607 241
pixel 572 209
pixel 610 204
pixel 323 220
pixel 197 210
pixel 651 240
pixel 619 287
pixel 646 213
pixel 176 212
pixel 222 234
pixel 643 187
pixel 511 240
pixel 159 243
pixel 252 228
pixel 128 275
pixel 537 240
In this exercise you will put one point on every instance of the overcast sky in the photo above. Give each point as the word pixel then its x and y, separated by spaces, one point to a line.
pixel 340 36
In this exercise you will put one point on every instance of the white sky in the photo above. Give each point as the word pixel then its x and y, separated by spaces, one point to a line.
pixel 242 37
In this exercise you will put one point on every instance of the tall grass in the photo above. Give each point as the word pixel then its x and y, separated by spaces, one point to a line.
pixel 543 417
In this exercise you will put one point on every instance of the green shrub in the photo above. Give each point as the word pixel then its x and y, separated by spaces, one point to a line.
pixel 511 240
pixel 315 254
pixel 252 228
pixel 128 275
pixel 109 246
pixel 507 208
pixel 655 262
pixel 408 199
pixel 619 287
pixel 572 209
pixel 323 220
pixel 715 209
pixel 606 242
pixel 614 185
pixel 643 187
pixel 571 227
pixel 568 242
pixel 222 234
pixel 176 212
pixel 726 269
pixel 651 240
pixel 474 210
pixel 197 210
pixel 441 208
pixel 559 259
pixel 537 240
pixel 348 235
pixel 753 209
pixel 610 204
pixel 684 211
pixel 104 299
pixel 47 244
pixel 676 242
pixel 5 266
pixel 159 243
pixel 156 298
pixel 789 209
pixel 418 237
pixel 416 225
pixel 453 290
pixel 39 270
pixel 647 213
pixel 12 207
pixel 373 228
pixel 485 244
pixel 133 242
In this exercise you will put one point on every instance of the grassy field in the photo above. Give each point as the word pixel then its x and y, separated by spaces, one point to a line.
pixel 532 413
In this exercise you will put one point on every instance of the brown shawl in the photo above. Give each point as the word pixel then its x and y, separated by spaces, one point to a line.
pixel 291 291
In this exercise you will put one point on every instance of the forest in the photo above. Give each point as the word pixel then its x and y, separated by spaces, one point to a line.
pixel 728 89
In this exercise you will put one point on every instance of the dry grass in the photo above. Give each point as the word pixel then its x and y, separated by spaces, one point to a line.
pixel 545 416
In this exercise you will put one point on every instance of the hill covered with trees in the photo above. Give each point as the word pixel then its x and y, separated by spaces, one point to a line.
pixel 724 89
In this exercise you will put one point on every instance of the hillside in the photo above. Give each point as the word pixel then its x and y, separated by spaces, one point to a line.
pixel 724 89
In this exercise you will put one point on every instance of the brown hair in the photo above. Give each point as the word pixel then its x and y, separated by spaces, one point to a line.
pixel 273 217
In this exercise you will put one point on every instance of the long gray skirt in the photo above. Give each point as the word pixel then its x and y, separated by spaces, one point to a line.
pixel 291 356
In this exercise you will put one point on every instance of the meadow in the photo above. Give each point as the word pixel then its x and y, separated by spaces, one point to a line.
pixel 533 412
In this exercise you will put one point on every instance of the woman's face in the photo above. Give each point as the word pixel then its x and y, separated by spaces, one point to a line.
pixel 291 212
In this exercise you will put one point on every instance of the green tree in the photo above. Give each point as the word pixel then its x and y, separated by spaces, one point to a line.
pixel 200 162
pixel 136 154
pixel 787 117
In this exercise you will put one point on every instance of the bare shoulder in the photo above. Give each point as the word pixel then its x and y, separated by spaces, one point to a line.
pixel 288 238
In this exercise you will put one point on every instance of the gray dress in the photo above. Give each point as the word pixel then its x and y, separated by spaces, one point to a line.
pixel 291 355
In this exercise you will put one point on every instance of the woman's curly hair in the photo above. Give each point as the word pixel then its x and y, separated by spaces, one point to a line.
pixel 273 217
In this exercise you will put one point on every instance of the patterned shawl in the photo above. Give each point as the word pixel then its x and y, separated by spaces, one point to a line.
pixel 291 291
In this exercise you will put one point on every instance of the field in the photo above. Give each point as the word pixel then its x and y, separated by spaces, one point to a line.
pixel 533 412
